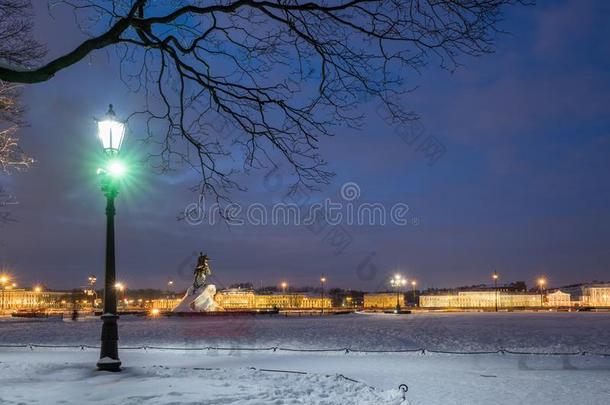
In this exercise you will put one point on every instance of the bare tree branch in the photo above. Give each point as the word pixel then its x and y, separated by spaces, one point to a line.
pixel 278 74
pixel 19 49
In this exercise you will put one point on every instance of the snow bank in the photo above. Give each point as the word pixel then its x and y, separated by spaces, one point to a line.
pixel 47 381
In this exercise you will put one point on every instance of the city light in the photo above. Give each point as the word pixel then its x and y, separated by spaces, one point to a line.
pixel 37 289
pixel 119 286
pixel 398 281
pixel 155 312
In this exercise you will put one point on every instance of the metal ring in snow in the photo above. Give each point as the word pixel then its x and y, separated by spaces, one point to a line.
pixel 404 389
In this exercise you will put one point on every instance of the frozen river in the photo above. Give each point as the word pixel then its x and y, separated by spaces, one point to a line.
pixel 544 332
pixel 158 376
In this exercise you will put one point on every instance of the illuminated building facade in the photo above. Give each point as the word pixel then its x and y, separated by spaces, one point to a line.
pixel 481 299
pixel 165 304
pixel 247 299
pixel 383 300
pixel 15 299
pixel 597 295
pixel 235 299
pixel 558 299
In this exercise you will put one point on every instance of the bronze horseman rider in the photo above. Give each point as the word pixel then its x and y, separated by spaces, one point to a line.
pixel 202 270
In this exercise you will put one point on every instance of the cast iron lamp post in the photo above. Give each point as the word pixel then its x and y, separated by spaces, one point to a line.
pixel 398 282
pixel 111 133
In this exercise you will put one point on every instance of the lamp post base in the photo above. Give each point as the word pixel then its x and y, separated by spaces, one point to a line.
pixel 109 352
pixel 108 364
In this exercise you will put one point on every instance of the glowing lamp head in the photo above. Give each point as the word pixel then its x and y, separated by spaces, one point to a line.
pixel 3 279
pixel 116 168
pixel 323 279
pixel 495 276
pixel 111 132
pixel 542 281
pixel 37 289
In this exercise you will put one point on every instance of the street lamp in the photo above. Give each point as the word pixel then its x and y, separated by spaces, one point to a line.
pixel 170 284
pixel 398 281
pixel 4 280
pixel 495 277
pixel 111 133
pixel 541 283
pixel 284 285
pixel 413 284
pixel 37 289
pixel 322 281
pixel 92 279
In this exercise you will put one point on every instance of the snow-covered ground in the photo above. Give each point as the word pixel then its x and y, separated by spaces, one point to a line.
pixel 48 375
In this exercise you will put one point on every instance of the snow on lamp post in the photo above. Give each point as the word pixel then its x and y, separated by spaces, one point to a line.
pixel 397 282
pixel 111 133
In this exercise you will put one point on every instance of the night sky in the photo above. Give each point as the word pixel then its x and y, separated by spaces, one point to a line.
pixel 523 188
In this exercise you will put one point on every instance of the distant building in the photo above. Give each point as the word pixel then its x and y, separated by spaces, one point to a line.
pixel 558 298
pixel 439 301
pixel 597 295
pixel 383 300
pixel 166 304
pixel 247 299
pixel 15 299
pixel 589 295
pixel 481 299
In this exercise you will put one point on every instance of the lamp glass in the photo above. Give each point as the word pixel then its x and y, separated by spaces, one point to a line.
pixel 111 133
